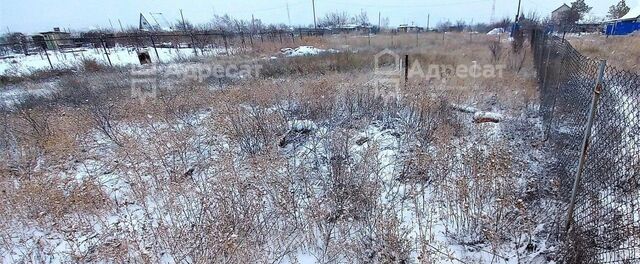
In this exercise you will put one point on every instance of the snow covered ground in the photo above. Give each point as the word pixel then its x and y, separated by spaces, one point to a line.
pixel 304 51
pixel 19 64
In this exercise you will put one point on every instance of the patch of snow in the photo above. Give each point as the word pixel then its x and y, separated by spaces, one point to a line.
pixel 303 51
pixel 496 31
pixel 19 64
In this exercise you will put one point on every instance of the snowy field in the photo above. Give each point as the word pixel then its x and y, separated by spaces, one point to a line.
pixel 307 165
pixel 18 64
pixel 21 64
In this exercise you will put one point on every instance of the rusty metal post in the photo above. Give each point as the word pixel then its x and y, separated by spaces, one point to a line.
pixel 585 142
pixel 104 46
pixel 406 69
pixel 153 43
pixel 47 53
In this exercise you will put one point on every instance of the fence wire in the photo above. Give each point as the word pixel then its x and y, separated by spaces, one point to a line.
pixel 605 226
pixel 59 52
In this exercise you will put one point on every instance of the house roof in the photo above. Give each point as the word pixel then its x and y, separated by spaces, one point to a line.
pixel 632 14
pixel 562 6
pixel 54 32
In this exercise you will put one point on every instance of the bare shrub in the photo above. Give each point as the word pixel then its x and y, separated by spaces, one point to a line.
pixel 496 51
pixel 91 65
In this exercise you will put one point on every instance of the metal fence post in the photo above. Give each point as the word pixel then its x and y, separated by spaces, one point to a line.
pixel 406 69
pixel 226 45
pixel 193 44
pixel 153 43
pixel 244 46
pixel 585 142
pixel 106 53
pixel 47 53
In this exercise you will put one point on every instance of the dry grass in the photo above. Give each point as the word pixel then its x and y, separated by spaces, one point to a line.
pixel 619 51
pixel 213 172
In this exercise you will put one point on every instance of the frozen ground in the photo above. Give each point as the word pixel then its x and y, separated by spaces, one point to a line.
pixel 19 64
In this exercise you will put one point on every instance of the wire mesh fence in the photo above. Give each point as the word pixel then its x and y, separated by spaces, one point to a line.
pixel 605 224
pixel 112 48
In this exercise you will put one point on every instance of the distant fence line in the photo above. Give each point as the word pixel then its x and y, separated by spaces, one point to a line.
pixel 591 114
pixel 200 42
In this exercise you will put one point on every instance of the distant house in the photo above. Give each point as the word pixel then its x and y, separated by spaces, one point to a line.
pixel 625 25
pixel 558 13
pixel 55 39
pixel 348 28
pixel 587 27
pixel 409 28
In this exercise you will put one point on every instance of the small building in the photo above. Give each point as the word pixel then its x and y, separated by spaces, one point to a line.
pixel 55 39
pixel 349 28
pixel 558 13
pixel 625 25
pixel 409 28
pixel 588 27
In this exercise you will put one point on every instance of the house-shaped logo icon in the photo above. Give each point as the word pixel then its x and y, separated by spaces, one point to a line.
pixel 381 57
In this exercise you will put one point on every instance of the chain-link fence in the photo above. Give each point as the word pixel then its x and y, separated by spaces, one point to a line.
pixel 591 113
pixel 60 49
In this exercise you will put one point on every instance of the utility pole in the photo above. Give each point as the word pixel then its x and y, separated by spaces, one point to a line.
pixel 518 13
pixel 313 4
pixel 493 12
pixel 288 14
pixel 428 20
pixel 184 26
pixel 121 28
pixel 253 23
pixel 379 26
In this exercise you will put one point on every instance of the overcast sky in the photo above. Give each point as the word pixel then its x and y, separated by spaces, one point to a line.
pixel 32 16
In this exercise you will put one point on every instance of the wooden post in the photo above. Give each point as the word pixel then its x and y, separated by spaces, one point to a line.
pixel 226 45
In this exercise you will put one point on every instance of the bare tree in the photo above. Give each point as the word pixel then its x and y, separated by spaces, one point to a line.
pixel 361 19
pixel 333 19
pixel 618 10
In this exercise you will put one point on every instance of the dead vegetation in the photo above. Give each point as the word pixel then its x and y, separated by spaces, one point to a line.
pixel 621 52
pixel 308 161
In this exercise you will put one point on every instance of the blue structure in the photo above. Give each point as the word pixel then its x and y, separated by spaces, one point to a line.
pixel 624 27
